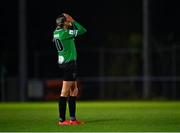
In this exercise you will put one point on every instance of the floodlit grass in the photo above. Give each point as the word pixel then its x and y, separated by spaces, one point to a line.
pixel 98 116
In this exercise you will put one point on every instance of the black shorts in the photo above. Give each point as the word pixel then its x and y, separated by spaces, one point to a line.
pixel 69 71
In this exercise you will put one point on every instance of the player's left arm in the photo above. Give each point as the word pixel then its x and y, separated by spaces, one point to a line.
pixel 80 29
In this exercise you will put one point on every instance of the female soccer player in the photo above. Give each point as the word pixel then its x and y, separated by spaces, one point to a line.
pixel 63 37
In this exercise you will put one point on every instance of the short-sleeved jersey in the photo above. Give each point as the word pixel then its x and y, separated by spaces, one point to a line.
pixel 64 41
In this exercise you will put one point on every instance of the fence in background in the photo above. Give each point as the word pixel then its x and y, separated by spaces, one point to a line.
pixel 103 74
pixel 117 73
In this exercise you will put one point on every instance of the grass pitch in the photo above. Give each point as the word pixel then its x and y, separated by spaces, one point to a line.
pixel 104 116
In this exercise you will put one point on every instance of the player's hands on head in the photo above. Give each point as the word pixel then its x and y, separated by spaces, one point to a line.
pixel 68 17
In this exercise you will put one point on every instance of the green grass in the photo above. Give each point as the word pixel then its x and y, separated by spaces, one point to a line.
pixel 99 116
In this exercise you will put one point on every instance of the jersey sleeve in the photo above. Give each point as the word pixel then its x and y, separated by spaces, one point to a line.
pixel 71 33
pixel 80 29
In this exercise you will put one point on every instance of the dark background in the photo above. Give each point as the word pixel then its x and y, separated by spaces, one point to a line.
pixel 98 17
pixel 109 24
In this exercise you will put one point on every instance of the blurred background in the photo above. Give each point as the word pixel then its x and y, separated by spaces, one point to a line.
pixel 130 51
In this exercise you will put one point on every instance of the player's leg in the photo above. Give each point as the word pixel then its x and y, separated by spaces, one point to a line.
pixel 65 92
pixel 72 104
pixel 74 89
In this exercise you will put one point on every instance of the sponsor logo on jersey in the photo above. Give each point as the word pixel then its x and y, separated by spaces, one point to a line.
pixel 73 32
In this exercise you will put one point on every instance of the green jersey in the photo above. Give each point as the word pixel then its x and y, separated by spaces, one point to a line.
pixel 64 41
